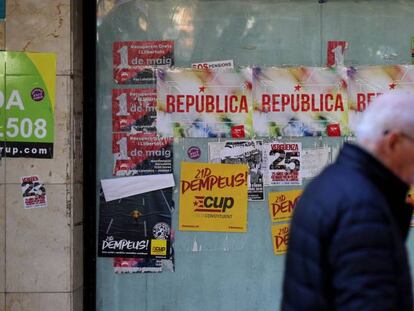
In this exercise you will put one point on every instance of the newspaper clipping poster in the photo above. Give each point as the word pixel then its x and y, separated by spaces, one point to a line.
pixel 248 152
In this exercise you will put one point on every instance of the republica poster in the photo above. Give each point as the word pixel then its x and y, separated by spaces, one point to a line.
pixel 299 101
pixel 204 103
pixel 213 197
pixel 367 82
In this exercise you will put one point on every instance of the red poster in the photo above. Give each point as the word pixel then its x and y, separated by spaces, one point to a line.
pixel 134 110
pixel 134 61
pixel 337 47
pixel 137 155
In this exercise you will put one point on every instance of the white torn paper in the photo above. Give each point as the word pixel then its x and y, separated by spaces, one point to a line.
pixel 117 188
pixel 313 161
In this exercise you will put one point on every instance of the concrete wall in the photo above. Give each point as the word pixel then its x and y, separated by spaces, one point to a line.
pixel 41 249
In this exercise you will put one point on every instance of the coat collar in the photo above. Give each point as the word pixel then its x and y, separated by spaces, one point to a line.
pixel 390 185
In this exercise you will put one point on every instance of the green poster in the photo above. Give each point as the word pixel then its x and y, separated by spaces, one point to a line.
pixel 27 98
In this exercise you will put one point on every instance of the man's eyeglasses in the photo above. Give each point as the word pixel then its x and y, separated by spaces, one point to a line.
pixel 410 138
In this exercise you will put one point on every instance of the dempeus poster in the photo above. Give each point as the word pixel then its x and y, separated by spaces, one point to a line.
pixel 135 225
pixel 280 238
pixel 204 103
pixel 282 203
pixel 213 197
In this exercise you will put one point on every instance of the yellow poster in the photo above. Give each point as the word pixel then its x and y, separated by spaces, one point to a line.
pixel 280 236
pixel 213 197
pixel 282 203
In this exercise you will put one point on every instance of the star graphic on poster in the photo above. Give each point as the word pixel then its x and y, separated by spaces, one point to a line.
pixel 297 87
pixel 202 89
pixel 392 85
pixel 195 203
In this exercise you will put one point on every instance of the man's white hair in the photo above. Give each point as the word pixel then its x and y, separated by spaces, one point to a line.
pixel 389 111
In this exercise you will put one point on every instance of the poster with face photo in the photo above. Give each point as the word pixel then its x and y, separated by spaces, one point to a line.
pixel 242 152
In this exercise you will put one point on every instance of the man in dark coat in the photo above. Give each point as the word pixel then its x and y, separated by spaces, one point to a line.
pixel 347 237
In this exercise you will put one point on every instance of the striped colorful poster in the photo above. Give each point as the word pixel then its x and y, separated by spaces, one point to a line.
pixel 367 82
pixel 204 103
pixel 299 101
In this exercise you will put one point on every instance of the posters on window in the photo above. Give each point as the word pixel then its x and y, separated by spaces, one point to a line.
pixel 137 155
pixel 299 101
pixel 282 163
pixel 367 82
pixel 27 104
pixel 145 265
pixel 134 111
pixel 204 103
pixel 248 152
pixel 335 53
pixel 134 61
pixel 213 197
pixel 142 265
pixel 214 65
pixel 282 203
pixel 136 225
pixel 314 160
pixel 280 237
pixel 34 192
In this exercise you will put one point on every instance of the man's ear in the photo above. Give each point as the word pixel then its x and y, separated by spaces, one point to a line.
pixel 390 141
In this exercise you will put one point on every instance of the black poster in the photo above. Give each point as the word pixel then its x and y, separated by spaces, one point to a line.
pixel 136 226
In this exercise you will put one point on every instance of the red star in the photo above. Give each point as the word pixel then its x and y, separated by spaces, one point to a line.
pixel 297 87
pixel 392 86
pixel 202 89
